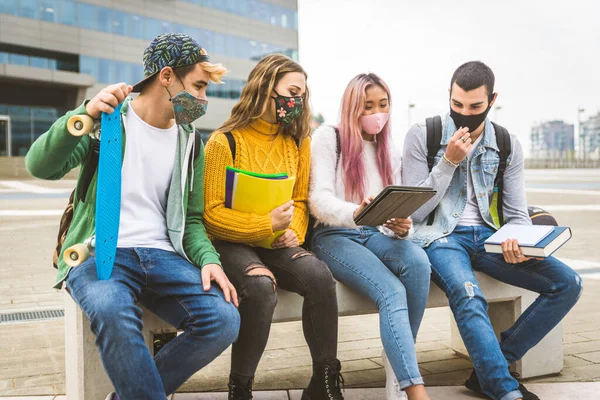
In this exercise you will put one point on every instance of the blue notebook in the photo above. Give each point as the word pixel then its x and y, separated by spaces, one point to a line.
pixel 551 242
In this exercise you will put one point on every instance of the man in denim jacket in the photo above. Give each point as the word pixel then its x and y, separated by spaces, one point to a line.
pixel 463 175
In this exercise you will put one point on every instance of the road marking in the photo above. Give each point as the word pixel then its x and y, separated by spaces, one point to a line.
pixel 30 213
pixel 570 207
pixel 29 188
pixel 564 191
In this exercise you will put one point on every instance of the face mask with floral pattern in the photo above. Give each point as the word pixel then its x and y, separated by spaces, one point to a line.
pixel 287 109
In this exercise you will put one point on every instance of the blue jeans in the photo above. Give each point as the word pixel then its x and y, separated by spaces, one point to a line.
pixel 394 274
pixel 170 287
pixel 454 259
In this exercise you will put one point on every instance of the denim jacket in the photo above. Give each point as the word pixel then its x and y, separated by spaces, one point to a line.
pixel 451 182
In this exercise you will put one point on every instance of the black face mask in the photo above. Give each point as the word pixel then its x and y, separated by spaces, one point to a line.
pixel 469 121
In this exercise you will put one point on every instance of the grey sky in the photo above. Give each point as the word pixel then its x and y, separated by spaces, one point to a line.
pixel 545 54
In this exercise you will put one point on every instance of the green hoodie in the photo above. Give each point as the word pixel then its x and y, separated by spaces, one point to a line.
pixel 57 152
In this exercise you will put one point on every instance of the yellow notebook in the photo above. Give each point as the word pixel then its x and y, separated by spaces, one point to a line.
pixel 256 195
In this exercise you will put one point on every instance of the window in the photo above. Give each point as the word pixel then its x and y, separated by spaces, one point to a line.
pixel 39 62
pixel 20 118
pixel 152 28
pixel 3 58
pixel 106 72
pixel 218 45
pixel 10 7
pixel 88 65
pixel 135 26
pixel 30 9
pixel 87 16
pixel 123 72
pixel 104 20
pixel 52 64
pixel 49 9
pixel 18 59
pixel 137 71
pixel 119 22
pixel 65 65
pixel 165 27
pixel 68 13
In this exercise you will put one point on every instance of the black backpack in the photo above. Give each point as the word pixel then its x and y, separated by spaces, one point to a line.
pixel 311 219
pixel 434 139
pixel 89 167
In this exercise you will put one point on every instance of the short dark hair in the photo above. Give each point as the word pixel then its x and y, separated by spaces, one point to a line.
pixel 473 75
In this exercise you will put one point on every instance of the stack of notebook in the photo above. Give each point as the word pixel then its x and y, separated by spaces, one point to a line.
pixel 259 194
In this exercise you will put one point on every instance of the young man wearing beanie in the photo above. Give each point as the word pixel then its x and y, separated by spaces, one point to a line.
pixel 164 259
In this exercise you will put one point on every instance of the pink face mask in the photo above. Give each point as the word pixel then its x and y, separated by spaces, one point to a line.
pixel 374 123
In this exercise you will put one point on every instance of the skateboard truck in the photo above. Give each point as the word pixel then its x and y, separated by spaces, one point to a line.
pixel 78 253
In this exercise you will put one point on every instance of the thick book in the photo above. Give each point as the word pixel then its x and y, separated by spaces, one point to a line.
pixel 394 202
pixel 545 247
pixel 254 193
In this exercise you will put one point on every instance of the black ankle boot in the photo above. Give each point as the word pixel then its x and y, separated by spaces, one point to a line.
pixel 326 382
pixel 238 390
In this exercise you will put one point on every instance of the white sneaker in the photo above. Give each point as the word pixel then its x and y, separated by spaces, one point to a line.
pixel 392 388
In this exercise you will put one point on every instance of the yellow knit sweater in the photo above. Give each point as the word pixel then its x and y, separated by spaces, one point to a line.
pixel 259 148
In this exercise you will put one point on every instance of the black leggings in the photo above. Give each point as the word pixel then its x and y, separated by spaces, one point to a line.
pixel 296 270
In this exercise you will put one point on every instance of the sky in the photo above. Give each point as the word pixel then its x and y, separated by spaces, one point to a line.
pixel 545 55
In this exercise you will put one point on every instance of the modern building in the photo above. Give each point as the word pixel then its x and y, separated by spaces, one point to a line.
pixel 552 139
pixel 56 53
pixel 590 137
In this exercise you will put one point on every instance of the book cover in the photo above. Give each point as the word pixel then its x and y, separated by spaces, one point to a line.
pixel 258 194
pixel 554 240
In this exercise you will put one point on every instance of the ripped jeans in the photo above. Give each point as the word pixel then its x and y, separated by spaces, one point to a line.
pixel 251 270
pixel 454 259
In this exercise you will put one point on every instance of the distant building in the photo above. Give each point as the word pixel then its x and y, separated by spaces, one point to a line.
pixel 552 139
pixel 56 53
pixel 590 136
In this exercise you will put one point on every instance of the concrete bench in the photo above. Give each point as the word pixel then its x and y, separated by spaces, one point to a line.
pixel 86 379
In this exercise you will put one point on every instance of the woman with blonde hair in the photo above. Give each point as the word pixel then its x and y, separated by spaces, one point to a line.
pixel 268 132
pixel 354 162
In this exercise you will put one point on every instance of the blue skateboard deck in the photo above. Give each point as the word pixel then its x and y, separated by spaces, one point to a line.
pixel 108 193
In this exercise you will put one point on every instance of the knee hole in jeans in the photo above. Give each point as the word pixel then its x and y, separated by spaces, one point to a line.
pixel 300 254
pixel 259 270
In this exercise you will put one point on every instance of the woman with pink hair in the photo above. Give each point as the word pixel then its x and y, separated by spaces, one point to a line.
pixel 350 164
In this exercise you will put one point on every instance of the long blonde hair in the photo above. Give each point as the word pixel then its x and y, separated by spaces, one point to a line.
pixel 256 95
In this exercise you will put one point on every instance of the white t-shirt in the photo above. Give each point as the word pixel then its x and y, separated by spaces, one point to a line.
pixel 145 181
pixel 471 216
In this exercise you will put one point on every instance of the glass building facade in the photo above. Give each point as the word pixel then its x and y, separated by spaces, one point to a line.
pixel 26 123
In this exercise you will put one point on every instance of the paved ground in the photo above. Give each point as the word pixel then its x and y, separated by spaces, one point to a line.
pixel 32 361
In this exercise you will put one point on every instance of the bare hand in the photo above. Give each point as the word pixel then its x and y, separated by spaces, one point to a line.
pixel 400 226
pixel 512 252
pixel 459 146
pixel 108 99
pixel 366 201
pixel 281 217
pixel 287 240
pixel 214 272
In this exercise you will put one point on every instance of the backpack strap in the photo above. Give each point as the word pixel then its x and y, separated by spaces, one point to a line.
pixel 434 144
pixel 338 146
pixel 504 146
pixel 197 144
pixel 232 145
pixel 89 167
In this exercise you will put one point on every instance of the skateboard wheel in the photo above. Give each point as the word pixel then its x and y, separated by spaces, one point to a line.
pixel 76 255
pixel 79 125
